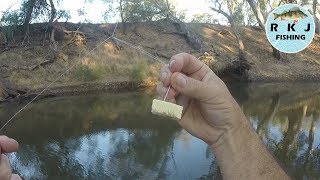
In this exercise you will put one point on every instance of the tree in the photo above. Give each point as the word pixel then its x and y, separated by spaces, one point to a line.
pixel 120 8
pixel 261 21
pixel 316 15
pixel 147 10
pixel 139 11
pixel 35 10
pixel 230 16
pixel 257 12
pixel 27 7
pixel 50 24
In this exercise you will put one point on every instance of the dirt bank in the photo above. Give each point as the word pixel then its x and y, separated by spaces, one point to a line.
pixel 36 63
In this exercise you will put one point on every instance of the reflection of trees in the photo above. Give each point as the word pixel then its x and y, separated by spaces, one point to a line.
pixel 295 119
pixel 144 155
pixel 53 131
pixel 214 170
pixel 262 127
pixel 284 152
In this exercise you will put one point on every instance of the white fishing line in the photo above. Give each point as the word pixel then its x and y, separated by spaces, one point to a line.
pixel 113 36
pixel 60 76
pixel 139 49
pixel 144 52
pixel 165 97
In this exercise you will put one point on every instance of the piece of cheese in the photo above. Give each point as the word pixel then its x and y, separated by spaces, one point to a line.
pixel 166 109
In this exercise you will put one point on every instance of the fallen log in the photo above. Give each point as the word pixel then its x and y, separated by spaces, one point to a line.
pixel 9 91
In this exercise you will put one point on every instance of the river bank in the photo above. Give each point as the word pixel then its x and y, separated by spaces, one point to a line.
pixel 27 69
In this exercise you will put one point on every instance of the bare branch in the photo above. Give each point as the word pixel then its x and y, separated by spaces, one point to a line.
pixel 222 12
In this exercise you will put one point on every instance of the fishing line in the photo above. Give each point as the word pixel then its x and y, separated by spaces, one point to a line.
pixel 61 75
pixel 139 49
pixel 71 67
pixel 165 97
pixel 144 52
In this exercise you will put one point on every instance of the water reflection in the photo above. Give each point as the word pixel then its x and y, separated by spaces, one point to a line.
pixel 286 117
pixel 111 136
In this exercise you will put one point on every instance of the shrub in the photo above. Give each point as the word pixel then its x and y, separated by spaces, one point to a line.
pixel 139 72
pixel 86 73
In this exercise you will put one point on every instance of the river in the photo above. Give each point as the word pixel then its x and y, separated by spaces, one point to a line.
pixel 114 136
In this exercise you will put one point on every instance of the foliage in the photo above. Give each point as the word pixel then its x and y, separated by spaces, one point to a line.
pixel 40 9
pixel 237 15
pixel 139 11
pixel 250 18
pixel 203 18
pixel 181 15
pixel 10 22
pixel 139 72
pixel 41 12
pixel 86 73
pixel 63 14
pixel 147 10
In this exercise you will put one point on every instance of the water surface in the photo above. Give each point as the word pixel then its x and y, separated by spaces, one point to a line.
pixel 114 136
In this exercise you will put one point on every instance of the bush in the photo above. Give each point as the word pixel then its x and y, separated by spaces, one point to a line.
pixel 86 73
pixel 10 22
pixel 139 72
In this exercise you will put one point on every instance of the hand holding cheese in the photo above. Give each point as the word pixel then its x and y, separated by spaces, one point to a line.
pixel 211 114
pixel 209 109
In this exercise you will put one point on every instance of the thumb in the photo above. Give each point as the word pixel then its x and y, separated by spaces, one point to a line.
pixel 191 87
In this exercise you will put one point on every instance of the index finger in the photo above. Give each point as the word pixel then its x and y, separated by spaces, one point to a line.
pixel 8 145
pixel 185 63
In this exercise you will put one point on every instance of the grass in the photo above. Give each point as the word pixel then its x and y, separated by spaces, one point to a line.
pixel 85 73
pixel 110 63
pixel 139 72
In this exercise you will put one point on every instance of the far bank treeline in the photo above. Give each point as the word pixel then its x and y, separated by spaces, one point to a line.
pixel 236 12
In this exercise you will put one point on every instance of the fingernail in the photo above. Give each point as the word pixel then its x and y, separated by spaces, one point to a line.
pixel 172 63
pixel 163 76
pixel 181 81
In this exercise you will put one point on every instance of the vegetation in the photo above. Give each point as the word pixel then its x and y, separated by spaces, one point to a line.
pixel 37 43
pixel 86 73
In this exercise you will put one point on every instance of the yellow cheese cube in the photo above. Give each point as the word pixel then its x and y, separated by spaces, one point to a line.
pixel 166 109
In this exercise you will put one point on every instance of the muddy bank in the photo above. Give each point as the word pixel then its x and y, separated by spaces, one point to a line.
pixel 26 69
pixel 81 89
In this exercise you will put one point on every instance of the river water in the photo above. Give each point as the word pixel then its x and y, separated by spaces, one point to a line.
pixel 114 136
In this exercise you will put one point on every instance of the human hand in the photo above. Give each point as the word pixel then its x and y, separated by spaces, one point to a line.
pixel 211 114
pixel 210 111
pixel 7 145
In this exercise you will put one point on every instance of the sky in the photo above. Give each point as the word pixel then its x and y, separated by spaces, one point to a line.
pixel 96 9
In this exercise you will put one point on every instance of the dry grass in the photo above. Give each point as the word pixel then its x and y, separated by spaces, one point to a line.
pixel 292 67
pixel 109 63
pixel 106 64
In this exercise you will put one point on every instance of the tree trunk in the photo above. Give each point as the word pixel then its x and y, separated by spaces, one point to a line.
pixel 28 14
pixel 242 55
pixel 168 9
pixel 243 64
pixel 239 39
pixel 124 27
pixel 261 21
pixel 51 26
pixel 310 142
pixel 315 16
pixel 276 53
pixel 257 12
